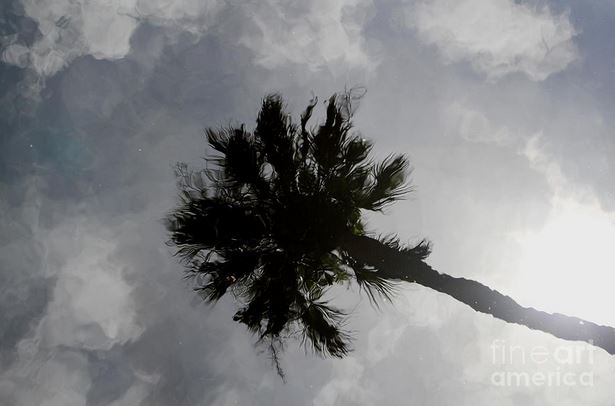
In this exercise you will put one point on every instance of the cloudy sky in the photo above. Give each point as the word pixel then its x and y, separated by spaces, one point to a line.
pixel 505 108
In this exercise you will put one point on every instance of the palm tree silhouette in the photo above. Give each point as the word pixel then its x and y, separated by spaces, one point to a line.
pixel 279 219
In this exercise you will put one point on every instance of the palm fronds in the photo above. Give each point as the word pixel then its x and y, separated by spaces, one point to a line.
pixel 266 221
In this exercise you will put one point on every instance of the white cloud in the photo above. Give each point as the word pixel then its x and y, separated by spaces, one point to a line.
pixel 101 28
pixel 92 306
pixel 314 34
pixel 497 37
pixel 92 309
pixel 345 385
pixel 59 379
pixel 540 161
pixel 194 16
pixel 472 125
pixel 70 29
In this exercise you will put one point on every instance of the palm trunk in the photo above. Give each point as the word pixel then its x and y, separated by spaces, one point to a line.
pixel 393 264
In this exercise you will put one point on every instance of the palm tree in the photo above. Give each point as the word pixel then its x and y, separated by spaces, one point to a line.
pixel 278 220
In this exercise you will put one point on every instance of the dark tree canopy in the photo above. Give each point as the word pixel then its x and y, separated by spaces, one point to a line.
pixel 269 220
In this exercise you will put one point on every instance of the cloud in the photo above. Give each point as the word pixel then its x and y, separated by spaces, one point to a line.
pixel 63 377
pixel 542 162
pixel 58 379
pixel 103 29
pixel 92 309
pixel 497 37
pixel 92 306
pixel 473 126
pixel 71 29
pixel 345 386
pixel 316 34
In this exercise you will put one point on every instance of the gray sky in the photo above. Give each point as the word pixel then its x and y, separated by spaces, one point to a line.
pixel 503 106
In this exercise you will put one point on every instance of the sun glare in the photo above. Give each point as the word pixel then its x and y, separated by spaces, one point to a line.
pixel 569 265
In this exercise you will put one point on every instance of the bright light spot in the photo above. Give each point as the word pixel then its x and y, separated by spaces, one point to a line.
pixel 569 265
